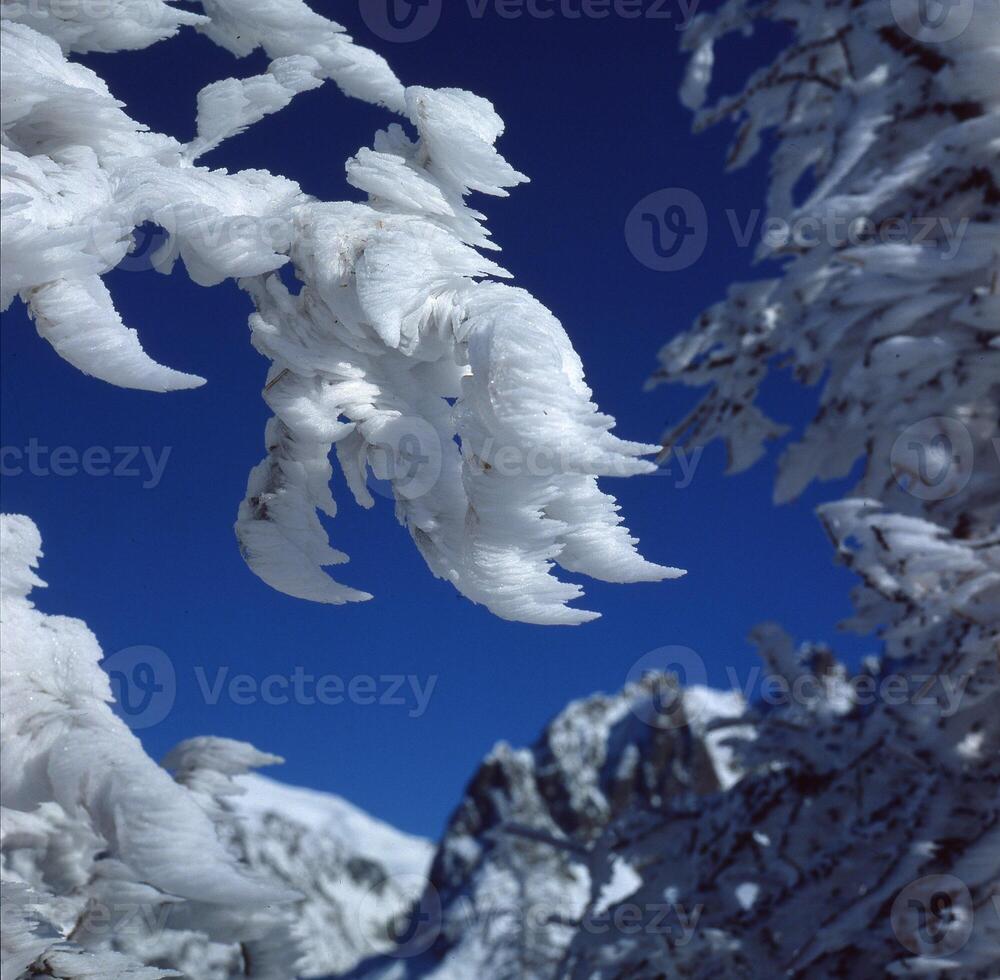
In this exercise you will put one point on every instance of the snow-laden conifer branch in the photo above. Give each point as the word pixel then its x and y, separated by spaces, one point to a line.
pixel 401 349
pixel 884 208
pixel 862 838
pixel 863 793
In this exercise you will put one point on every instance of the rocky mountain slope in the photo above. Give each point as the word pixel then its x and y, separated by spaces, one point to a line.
pixel 526 858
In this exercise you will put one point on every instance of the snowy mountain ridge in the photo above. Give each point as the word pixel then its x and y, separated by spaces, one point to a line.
pixel 526 821
pixel 524 859
pixel 333 817
pixel 355 872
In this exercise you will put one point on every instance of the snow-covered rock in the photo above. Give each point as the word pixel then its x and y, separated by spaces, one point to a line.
pixel 858 834
pixel 111 868
pixel 357 874
pixel 526 857
pixel 862 839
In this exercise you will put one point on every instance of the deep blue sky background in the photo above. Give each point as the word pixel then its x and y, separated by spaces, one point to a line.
pixel 592 117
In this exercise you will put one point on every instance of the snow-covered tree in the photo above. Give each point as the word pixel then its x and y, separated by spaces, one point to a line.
pixel 883 209
pixel 111 868
pixel 861 835
pixel 402 348
pixel 864 837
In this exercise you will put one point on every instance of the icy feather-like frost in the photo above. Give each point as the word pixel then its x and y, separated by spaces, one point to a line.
pixel 401 350
pixel 91 825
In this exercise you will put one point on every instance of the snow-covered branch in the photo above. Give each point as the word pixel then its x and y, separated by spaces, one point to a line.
pixel 883 209
pixel 401 348
pixel 108 863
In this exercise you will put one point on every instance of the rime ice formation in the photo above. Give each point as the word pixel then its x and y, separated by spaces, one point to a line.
pixel 860 806
pixel 883 206
pixel 99 843
pixel 112 869
pixel 849 830
pixel 402 349
pixel 862 839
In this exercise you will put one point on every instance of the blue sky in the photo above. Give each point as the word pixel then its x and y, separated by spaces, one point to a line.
pixel 592 117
